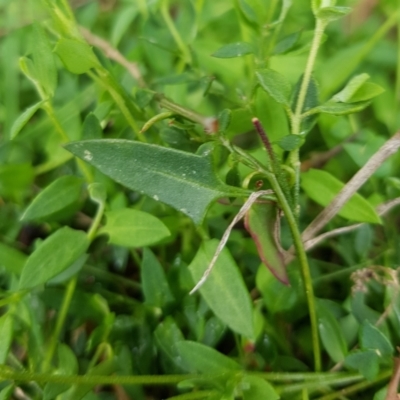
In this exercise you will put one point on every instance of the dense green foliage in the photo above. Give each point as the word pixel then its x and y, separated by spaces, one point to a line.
pixel 134 134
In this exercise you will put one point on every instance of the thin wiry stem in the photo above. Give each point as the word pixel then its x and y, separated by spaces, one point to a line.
pixel 388 149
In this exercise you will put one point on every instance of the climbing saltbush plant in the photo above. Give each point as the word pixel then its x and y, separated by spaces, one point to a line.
pixel 198 199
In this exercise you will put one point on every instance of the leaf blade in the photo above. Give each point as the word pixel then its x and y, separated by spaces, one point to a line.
pixel 204 359
pixel 53 256
pixel 224 291
pixel 182 180
pixel 322 187
pixel 232 50
pixel 133 228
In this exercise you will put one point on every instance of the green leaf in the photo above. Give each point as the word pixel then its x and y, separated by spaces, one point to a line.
pixel 78 392
pixel 22 120
pixel 287 43
pixel 91 128
pixel 372 338
pixel 366 362
pixel 97 192
pixel 261 222
pixel 6 392
pixel 43 60
pixel 204 359
pixel 363 149
pixel 331 107
pixel 255 388
pixel 331 335
pixel 67 365
pixel 367 91
pixel 322 187
pixel 275 85
pixel 311 101
pixel 77 56
pixel 28 69
pixel 182 180
pixel 277 297
pixel 232 50
pixel 133 228
pixel 224 119
pixel 62 193
pixel 291 142
pixel 351 88
pixel 224 291
pixel 15 179
pixel 6 335
pixel 11 259
pixel 155 286
pixel 329 14
pixel 53 256
pixel 167 335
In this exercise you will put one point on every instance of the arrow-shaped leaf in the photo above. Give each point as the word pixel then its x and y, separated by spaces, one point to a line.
pixel 182 180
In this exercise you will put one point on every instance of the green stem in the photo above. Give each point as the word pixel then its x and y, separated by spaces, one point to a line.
pixel 60 130
pixel 201 394
pixel 298 243
pixel 62 315
pixel 105 81
pixel 304 267
pixel 183 111
pixel 65 139
pixel 319 30
pixel 8 373
pixel 113 278
pixel 358 387
pixel 297 117
pixel 96 221
pixel 186 57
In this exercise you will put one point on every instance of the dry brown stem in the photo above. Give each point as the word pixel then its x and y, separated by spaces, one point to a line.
pixel 113 54
pixel 388 149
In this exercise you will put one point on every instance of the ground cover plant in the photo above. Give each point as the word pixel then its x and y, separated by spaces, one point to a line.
pixel 198 199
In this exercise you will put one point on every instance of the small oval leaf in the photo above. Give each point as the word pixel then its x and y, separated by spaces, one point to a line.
pixel 204 359
pixel 333 108
pixel 232 50
pixel 275 85
pixel 133 228
pixel 53 256
pixel 77 56
pixel 60 194
pixel 331 334
pixel 322 187
pixel 155 286
pixel 224 291
pixel 23 119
